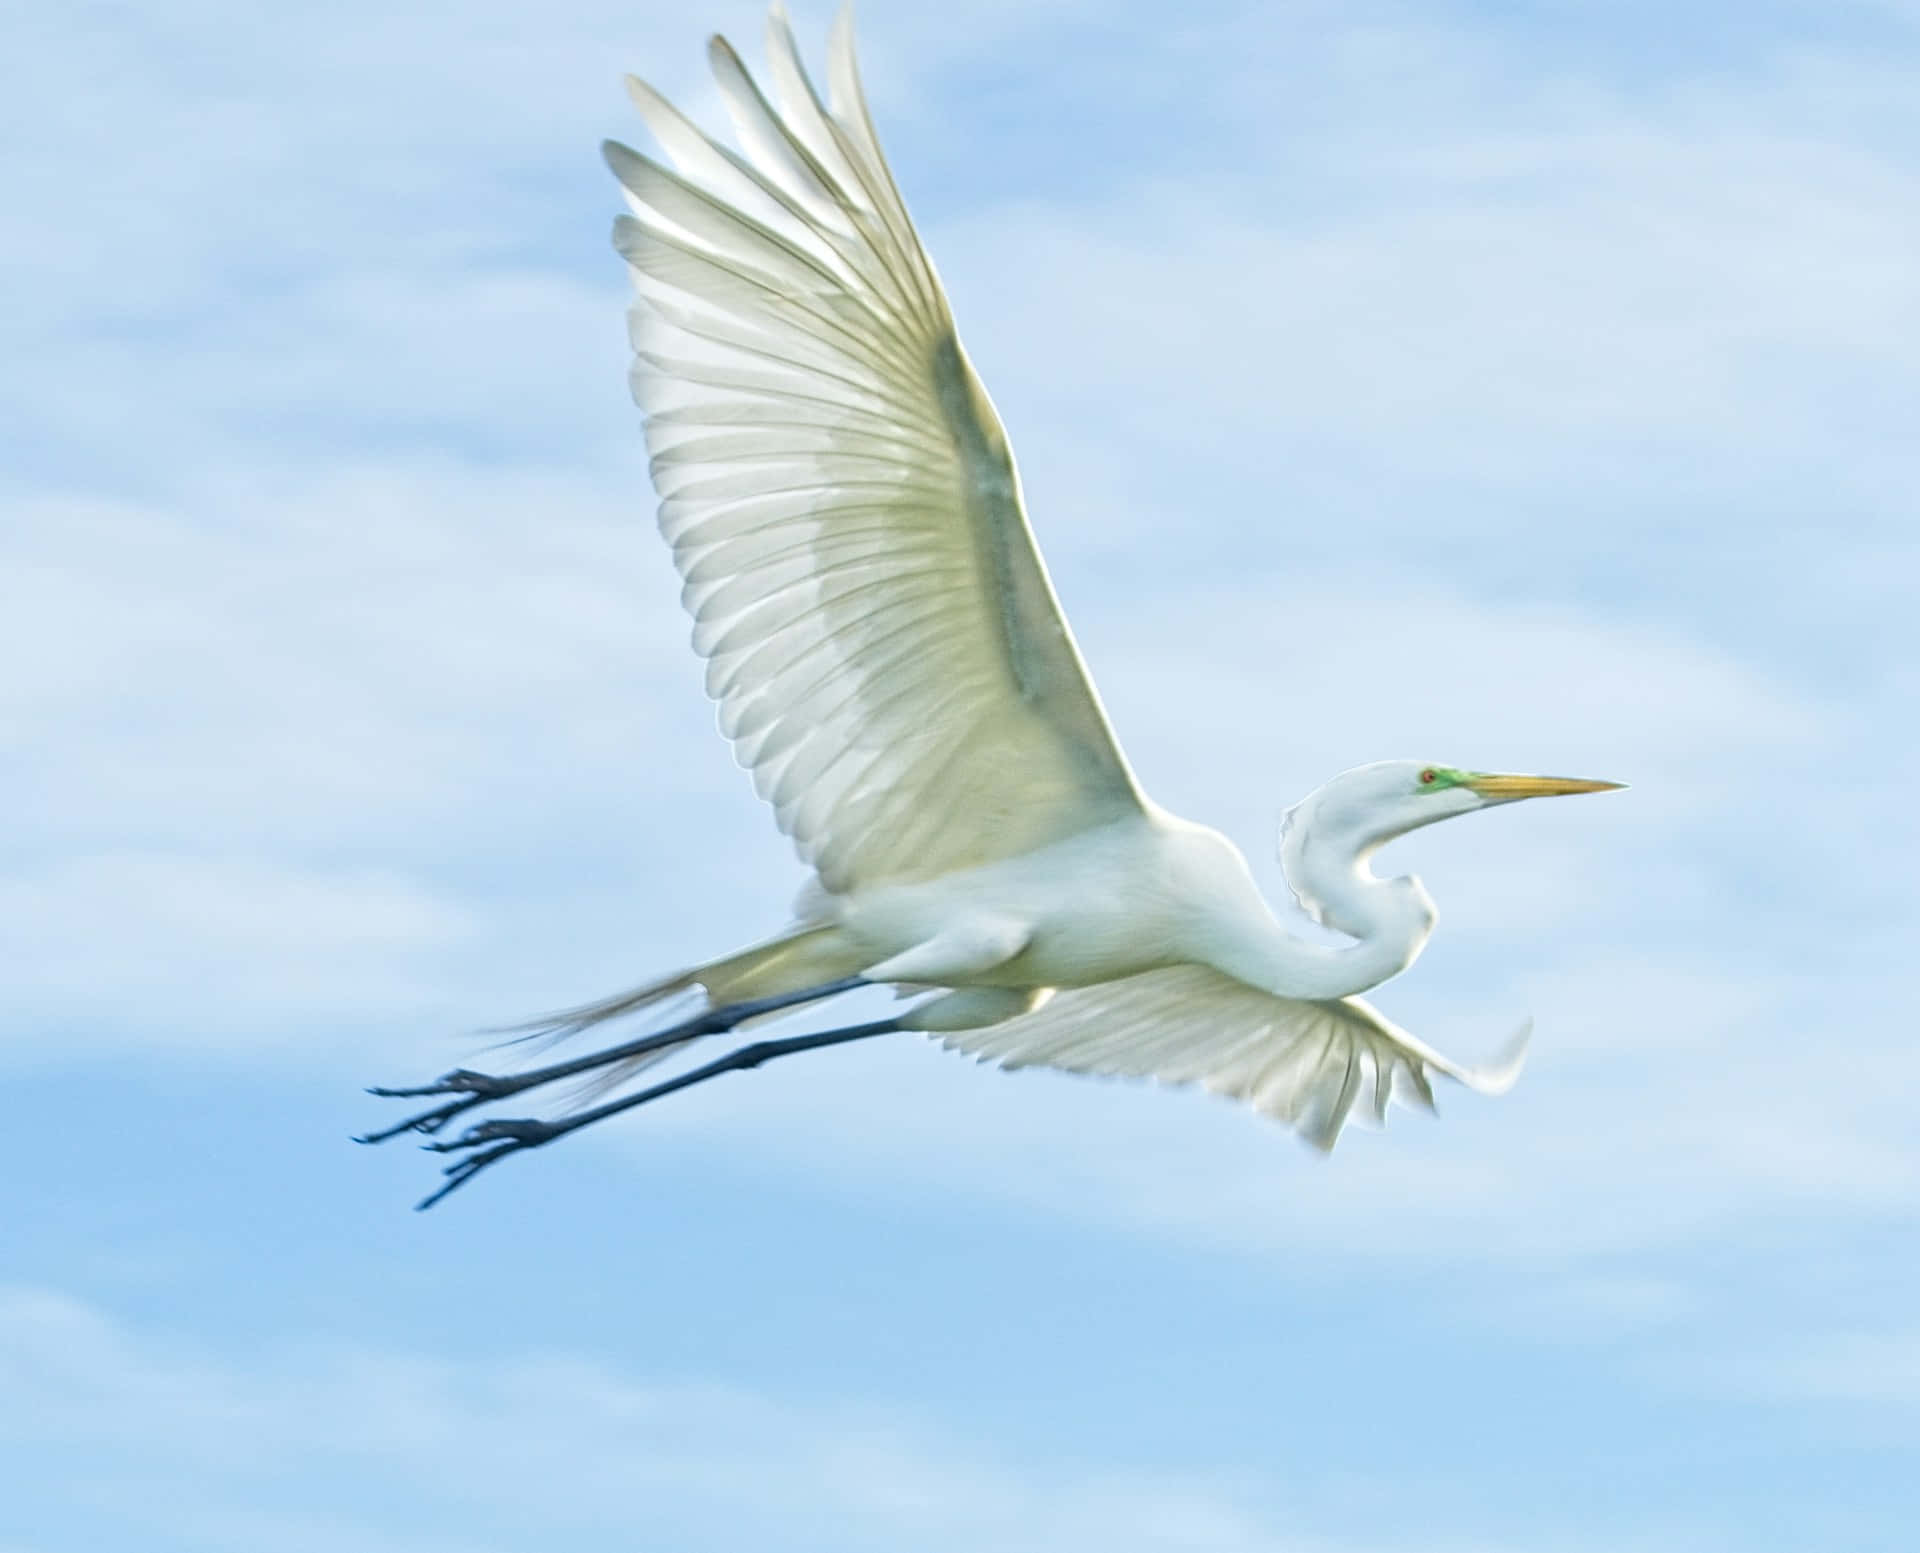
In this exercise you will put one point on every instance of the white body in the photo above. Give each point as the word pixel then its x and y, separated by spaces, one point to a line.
pixel 1137 894
pixel 1132 895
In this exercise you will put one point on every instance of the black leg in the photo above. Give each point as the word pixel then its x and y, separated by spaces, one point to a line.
pixel 513 1137
pixel 478 1088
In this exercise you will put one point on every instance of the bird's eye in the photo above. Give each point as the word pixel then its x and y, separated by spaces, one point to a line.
pixel 1426 777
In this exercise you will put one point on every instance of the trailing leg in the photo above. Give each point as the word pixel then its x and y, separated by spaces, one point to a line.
pixel 513 1137
pixel 473 1089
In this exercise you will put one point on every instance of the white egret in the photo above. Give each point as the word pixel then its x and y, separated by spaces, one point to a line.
pixel 892 666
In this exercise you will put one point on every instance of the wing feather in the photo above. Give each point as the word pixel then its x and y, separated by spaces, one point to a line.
pixel 889 657
pixel 1314 1065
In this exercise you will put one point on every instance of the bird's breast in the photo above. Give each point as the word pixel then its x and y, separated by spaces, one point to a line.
pixel 1096 907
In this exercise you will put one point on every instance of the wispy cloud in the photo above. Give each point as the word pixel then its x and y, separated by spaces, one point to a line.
pixel 550 1445
pixel 1877 1368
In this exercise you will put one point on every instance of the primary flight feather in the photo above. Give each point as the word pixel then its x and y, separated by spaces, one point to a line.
pixel 893 668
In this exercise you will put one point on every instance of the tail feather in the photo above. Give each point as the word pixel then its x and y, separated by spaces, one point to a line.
pixel 805 956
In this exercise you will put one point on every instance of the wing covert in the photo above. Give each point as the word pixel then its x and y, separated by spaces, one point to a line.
pixel 886 649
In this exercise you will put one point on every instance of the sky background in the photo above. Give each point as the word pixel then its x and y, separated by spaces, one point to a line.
pixel 1517 386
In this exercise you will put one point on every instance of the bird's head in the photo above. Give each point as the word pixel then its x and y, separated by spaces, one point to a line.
pixel 1363 809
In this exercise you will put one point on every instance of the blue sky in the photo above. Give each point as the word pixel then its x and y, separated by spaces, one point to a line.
pixel 1515 386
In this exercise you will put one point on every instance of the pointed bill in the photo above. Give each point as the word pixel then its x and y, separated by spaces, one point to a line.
pixel 1503 787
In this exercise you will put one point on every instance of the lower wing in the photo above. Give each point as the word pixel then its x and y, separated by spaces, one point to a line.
pixel 1311 1064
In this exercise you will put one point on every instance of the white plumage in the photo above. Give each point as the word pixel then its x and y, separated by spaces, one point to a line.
pixel 1308 1063
pixel 893 668
pixel 885 647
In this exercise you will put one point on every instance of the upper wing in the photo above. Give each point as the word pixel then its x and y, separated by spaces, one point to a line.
pixel 887 652
pixel 1310 1064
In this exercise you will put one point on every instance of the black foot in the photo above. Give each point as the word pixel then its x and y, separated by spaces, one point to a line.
pixel 506 1137
pixel 473 1088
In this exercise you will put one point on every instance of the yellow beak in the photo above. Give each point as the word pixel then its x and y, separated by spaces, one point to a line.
pixel 1502 787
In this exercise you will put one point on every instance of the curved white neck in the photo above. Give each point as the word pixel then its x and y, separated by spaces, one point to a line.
pixel 1389 920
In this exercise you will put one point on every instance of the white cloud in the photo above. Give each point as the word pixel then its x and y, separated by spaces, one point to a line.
pixel 1583 321
pixel 1321 671
pixel 179 953
pixel 355 650
pixel 256 1442
pixel 1874 1368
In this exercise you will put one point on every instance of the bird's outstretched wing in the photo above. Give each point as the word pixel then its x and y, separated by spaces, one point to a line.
pixel 1310 1064
pixel 889 658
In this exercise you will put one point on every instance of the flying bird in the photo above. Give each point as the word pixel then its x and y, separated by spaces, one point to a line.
pixel 892 666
